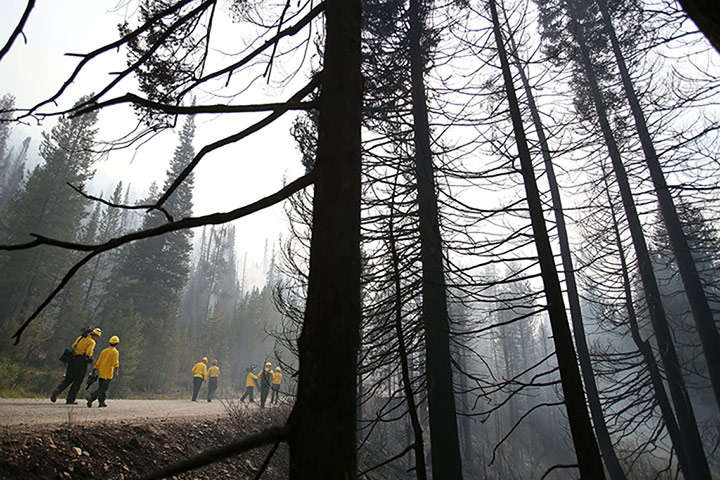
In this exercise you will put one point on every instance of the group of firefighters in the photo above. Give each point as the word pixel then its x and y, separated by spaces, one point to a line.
pixel 78 357
pixel 267 378
pixel 107 367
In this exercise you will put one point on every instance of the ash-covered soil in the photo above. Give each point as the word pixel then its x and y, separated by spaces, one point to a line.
pixel 132 448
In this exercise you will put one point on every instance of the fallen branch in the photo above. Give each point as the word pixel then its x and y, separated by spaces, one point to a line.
pixel 271 435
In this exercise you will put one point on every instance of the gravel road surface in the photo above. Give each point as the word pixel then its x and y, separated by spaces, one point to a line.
pixel 32 411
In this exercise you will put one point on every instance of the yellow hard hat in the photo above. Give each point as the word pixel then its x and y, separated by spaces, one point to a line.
pixel 114 340
pixel 96 331
pixel 278 369
pixel 268 364
pixel 204 359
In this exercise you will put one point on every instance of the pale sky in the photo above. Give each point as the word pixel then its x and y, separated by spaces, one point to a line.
pixel 224 180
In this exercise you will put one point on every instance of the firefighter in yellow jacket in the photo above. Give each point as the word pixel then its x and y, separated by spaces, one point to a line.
pixel 249 384
pixel 108 367
pixel 199 376
pixel 276 381
pixel 213 374
pixel 83 349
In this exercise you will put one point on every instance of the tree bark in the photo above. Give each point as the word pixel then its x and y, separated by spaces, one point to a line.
pixel 323 439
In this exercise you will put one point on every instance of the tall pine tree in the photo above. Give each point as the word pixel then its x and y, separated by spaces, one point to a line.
pixel 152 274
pixel 46 206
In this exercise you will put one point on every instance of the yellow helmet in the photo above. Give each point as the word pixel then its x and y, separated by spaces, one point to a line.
pixel 278 369
pixel 96 331
pixel 268 364
pixel 204 359
pixel 114 340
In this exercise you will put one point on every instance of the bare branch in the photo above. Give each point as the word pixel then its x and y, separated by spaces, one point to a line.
pixel 110 46
pixel 287 32
pixel 18 29
pixel 271 435
pixel 389 460
pixel 192 110
pixel 117 205
pixel 190 222
pixel 234 138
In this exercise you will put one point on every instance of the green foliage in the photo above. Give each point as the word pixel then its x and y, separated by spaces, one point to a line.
pixel 47 206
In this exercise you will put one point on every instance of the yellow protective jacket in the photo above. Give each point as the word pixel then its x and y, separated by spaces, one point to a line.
pixel 200 370
pixel 277 378
pixel 84 346
pixel 214 371
pixel 107 362
pixel 250 380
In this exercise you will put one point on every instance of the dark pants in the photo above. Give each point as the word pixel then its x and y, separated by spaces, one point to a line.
pixel 248 392
pixel 197 383
pixel 75 373
pixel 212 386
pixel 263 395
pixel 101 393
pixel 275 392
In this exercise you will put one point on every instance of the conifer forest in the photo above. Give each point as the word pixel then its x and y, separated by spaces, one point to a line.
pixel 500 255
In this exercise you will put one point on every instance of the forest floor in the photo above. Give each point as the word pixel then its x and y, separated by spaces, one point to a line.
pixel 131 438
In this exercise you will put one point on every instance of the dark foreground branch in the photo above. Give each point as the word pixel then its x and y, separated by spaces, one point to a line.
pixel 117 205
pixel 407 449
pixel 555 467
pixel 267 437
pixel 18 29
pixel 185 223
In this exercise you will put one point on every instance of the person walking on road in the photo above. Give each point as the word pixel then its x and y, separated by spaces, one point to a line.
pixel 108 367
pixel 277 380
pixel 249 385
pixel 266 378
pixel 82 350
pixel 199 376
pixel 213 374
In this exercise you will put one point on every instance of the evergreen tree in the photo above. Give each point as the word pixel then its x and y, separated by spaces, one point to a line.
pixel 153 272
pixel 46 206
pixel 12 173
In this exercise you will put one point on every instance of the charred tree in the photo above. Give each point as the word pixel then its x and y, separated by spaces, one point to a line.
pixel 586 449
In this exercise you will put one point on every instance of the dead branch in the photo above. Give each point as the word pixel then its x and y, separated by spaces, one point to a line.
pixel 193 110
pixel 271 435
pixel 234 138
pixel 86 58
pixel 18 29
pixel 185 223
pixel 389 460
pixel 118 205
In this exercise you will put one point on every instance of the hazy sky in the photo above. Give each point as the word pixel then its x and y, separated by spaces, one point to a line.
pixel 225 180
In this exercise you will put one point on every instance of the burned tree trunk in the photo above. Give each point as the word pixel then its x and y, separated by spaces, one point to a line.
pixel 323 425
pixel 586 449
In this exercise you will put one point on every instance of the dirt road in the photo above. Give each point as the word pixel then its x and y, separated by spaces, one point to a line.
pixel 27 411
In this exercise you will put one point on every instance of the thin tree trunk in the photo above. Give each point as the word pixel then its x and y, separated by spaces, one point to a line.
pixel 586 448
pixel 646 351
pixel 678 391
pixel 699 305
pixel 418 444
pixel 323 438
pixel 598 418
pixel 444 441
